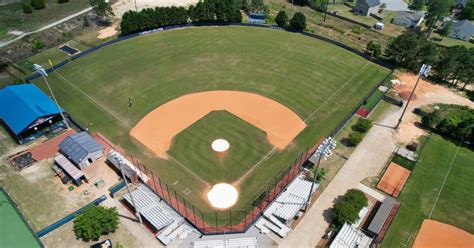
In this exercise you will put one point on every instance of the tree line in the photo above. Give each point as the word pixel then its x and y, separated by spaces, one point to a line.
pixel 452 65
pixel 223 11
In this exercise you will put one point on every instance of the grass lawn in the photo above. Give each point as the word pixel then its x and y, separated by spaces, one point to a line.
pixel 456 201
pixel 248 145
pixel 13 18
pixel 16 232
pixel 447 41
pixel 319 81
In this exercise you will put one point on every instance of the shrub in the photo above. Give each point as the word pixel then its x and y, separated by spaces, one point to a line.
pixel 26 7
pixel 355 138
pixel 363 125
pixel 282 19
pixel 38 4
pixel 96 221
pixel 37 45
pixel 298 22
pixel 452 120
pixel 374 49
pixel 63 1
pixel 349 207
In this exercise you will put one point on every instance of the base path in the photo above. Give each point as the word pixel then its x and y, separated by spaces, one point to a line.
pixel 435 234
pixel 157 129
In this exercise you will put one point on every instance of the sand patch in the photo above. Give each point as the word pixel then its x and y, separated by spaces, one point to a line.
pixel 157 129
pixel 434 234
pixel 426 93
pixel 108 32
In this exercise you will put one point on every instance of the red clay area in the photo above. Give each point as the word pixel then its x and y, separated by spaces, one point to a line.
pixel 434 234
pixel 393 179
pixel 50 147
pixel 362 112
pixel 157 129
pixel 405 95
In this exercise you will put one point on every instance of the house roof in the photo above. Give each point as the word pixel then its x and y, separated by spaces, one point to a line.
pixel 21 105
pixel 411 16
pixel 465 26
pixel 372 3
pixel 77 146
pixel 381 215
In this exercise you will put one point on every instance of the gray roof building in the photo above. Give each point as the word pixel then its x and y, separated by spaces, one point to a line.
pixel 462 30
pixel 81 149
pixel 409 19
pixel 366 7
pixel 381 215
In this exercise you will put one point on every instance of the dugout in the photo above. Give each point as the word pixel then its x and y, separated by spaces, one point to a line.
pixel 27 113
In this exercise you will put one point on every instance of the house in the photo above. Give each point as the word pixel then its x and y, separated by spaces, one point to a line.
pixel 27 113
pixel 366 7
pixel 462 30
pixel 409 19
pixel 461 3
pixel 81 149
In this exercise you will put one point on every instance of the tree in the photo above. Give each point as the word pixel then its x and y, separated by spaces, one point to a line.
pixel 417 5
pixel 349 207
pixel 382 7
pixel 38 4
pixel 468 11
pixel 298 22
pixel 63 1
pixel 363 125
pixel 403 49
pixel 319 5
pixel 102 9
pixel 26 7
pixel 374 48
pixel 355 138
pixel 96 221
pixel 282 19
pixel 437 11
pixel 446 29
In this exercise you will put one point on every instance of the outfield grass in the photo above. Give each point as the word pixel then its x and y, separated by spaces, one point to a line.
pixel 248 145
pixel 319 81
pixel 456 201
pixel 14 231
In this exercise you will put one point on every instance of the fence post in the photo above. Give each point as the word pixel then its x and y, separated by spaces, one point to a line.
pixel 176 200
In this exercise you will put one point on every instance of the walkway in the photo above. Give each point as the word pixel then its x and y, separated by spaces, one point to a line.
pixel 367 160
pixel 65 19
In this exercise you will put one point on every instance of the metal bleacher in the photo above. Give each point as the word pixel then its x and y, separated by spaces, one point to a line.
pixel 230 243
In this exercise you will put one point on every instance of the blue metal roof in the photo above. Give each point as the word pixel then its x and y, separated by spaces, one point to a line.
pixel 23 104
pixel 78 146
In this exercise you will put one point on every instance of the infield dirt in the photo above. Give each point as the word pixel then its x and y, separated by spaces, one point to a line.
pixel 157 129
pixel 434 234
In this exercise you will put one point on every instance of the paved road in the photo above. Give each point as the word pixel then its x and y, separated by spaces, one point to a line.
pixel 367 160
pixel 395 5
pixel 67 18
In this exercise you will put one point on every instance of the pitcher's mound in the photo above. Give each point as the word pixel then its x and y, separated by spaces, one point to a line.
pixel 434 234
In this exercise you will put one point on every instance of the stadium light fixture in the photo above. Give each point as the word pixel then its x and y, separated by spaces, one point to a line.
pixel 424 72
pixel 324 151
pixel 42 72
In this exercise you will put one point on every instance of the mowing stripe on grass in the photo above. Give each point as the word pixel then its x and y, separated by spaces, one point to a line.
pixel 267 156
pixel 335 92
pixel 444 182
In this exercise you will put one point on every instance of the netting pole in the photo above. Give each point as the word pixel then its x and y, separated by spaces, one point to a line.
pixel 245 218
pixel 154 182
pixel 202 216
pixel 161 187
pixel 217 228
pixel 230 219
pixel 169 195
pixel 185 208
pixel 194 214
pixel 176 200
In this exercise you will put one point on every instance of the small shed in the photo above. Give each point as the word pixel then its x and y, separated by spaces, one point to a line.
pixel 81 149
pixel 75 174
pixel 381 216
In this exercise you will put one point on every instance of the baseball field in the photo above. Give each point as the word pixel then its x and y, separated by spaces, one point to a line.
pixel 278 94
pixel 439 188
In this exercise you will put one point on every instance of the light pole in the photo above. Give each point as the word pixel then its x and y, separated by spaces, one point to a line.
pixel 424 71
pixel 137 212
pixel 43 73
pixel 324 150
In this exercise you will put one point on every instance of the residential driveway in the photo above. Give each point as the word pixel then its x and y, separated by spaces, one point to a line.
pixel 367 160
pixel 395 5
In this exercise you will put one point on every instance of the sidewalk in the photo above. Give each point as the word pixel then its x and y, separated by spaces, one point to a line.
pixel 367 160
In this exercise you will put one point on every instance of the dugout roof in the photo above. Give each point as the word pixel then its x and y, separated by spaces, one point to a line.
pixel 21 106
